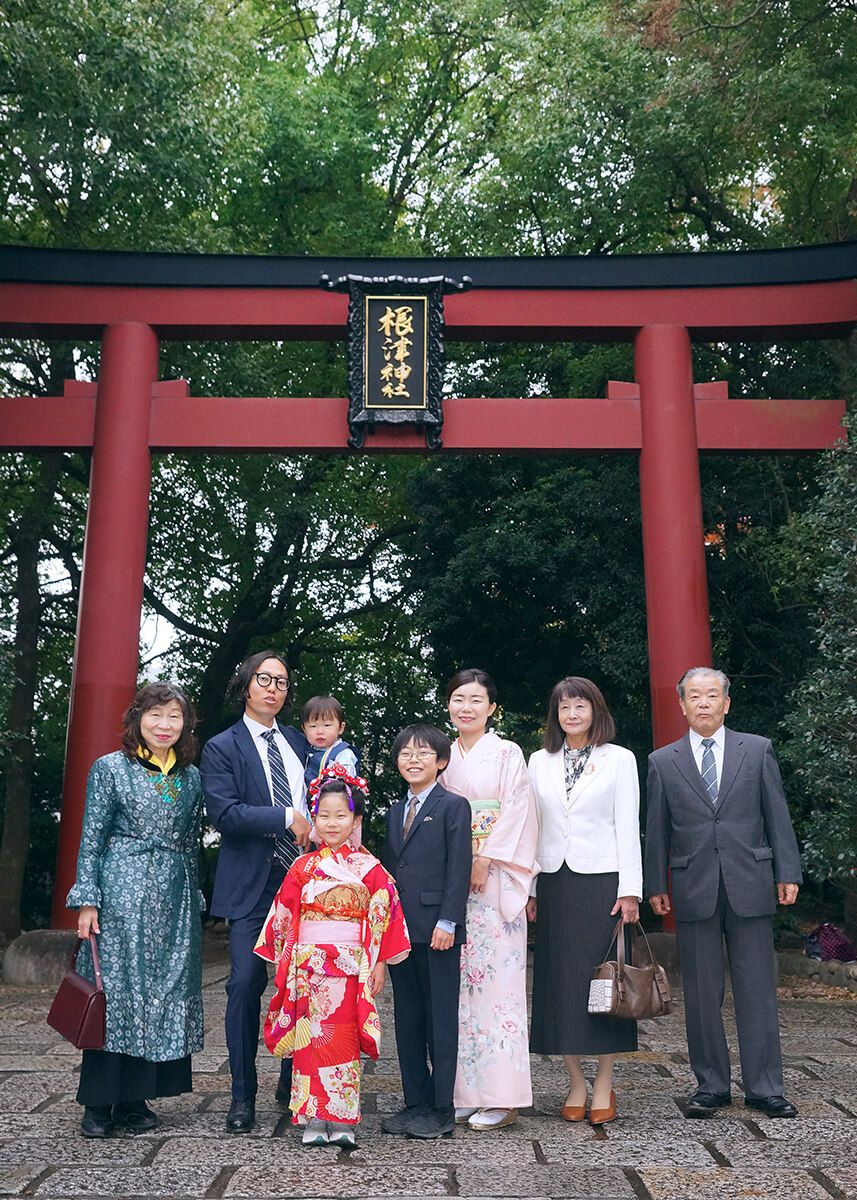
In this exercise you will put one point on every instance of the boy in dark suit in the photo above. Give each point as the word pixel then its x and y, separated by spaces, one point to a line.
pixel 428 851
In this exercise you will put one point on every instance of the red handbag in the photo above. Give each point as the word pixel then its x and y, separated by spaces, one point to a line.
pixel 79 1009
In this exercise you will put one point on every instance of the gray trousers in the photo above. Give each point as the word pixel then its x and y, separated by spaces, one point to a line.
pixel 752 966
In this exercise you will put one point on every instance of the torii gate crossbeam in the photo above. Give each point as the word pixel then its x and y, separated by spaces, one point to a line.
pixel 660 302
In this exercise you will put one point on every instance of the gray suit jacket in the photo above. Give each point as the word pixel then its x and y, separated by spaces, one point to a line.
pixel 747 837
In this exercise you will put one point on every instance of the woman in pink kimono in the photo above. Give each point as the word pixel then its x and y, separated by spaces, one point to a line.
pixel 493 1078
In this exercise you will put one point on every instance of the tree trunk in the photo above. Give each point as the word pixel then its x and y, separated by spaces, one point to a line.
pixel 20 756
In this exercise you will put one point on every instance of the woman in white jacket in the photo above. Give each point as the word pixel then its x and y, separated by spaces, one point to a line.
pixel 588 797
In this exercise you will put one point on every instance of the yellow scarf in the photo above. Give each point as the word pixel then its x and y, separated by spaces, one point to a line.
pixel 165 764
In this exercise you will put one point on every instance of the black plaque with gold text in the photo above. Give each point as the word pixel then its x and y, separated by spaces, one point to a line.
pixel 395 352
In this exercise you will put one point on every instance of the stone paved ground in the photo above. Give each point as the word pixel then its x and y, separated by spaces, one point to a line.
pixel 650 1153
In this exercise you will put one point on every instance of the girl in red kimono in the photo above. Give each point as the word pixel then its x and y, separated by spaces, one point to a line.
pixel 334 923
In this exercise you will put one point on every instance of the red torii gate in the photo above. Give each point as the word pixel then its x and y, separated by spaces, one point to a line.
pixel 660 302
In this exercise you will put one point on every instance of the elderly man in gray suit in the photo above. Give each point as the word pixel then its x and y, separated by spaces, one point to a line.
pixel 717 818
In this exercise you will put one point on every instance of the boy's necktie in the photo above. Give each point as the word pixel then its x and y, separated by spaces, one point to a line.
pixel 409 815
pixel 285 847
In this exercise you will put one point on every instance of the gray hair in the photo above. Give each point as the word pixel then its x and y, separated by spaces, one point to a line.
pixel 707 673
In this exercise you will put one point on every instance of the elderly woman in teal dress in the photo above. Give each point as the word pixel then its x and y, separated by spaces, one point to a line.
pixel 137 888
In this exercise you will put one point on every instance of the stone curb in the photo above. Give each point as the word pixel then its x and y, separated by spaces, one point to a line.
pixel 41 956
pixel 832 973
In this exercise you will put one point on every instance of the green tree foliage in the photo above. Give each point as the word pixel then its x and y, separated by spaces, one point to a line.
pixel 822 721
pixel 481 126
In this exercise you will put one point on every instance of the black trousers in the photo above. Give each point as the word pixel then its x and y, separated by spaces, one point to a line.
pixel 248 978
pixel 110 1078
pixel 425 994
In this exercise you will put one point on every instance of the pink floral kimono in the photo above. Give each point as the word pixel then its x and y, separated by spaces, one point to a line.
pixel 335 916
pixel 493 1051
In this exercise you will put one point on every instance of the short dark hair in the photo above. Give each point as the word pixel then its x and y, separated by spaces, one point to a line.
pixel 474 675
pixel 358 796
pixel 422 735
pixel 322 706
pixel 603 728
pixel 239 684
pixel 151 695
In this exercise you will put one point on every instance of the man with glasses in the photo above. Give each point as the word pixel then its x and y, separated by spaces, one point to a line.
pixel 253 777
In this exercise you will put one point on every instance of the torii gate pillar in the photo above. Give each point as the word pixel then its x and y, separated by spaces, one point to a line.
pixel 673 537
pixel 114 561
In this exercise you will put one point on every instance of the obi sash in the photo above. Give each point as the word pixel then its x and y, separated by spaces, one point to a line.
pixel 483 815
pixel 326 933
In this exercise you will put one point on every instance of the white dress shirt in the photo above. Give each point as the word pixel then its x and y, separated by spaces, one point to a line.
pixel 697 750
pixel 293 765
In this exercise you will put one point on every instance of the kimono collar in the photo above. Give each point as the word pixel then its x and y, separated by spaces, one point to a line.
pixel 344 865
pixel 154 762
pixel 480 742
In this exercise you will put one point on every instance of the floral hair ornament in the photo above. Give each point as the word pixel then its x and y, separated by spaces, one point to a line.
pixel 334 772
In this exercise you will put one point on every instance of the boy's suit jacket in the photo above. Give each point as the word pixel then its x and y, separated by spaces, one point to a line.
pixel 239 806
pixel 747 836
pixel 432 865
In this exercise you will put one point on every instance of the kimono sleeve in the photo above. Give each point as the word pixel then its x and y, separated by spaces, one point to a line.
pixel 97 822
pixel 387 930
pixel 279 933
pixel 514 837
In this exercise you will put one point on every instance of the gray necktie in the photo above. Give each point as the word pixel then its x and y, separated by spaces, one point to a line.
pixel 409 815
pixel 709 770
pixel 285 847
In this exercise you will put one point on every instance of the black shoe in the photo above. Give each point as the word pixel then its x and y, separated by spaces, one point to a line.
pixel 437 1122
pixel 241 1116
pixel 400 1122
pixel 705 1104
pixel 136 1116
pixel 97 1121
pixel 772 1106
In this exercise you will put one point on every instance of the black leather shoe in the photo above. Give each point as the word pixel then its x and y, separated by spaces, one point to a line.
pixel 97 1121
pixel 400 1122
pixel 241 1116
pixel 432 1124
pixel 136 1116
pixel 772 1106
pixel 705 1104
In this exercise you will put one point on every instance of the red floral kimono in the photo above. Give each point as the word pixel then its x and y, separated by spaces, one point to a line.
pixel 335 916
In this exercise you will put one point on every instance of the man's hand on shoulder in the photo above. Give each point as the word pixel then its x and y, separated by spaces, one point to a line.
pixel 300 828
pixel 787 893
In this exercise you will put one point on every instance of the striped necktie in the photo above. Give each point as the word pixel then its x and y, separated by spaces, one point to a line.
pixel 709 770
pixel 285 847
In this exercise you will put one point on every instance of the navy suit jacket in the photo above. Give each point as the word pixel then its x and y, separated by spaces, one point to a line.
pixel 432 865
pixel 238 803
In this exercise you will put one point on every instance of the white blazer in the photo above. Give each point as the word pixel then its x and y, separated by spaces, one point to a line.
pixel 598 829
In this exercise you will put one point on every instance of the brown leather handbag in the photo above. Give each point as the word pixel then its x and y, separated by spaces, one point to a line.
pixel 79 1009
pixel 621 990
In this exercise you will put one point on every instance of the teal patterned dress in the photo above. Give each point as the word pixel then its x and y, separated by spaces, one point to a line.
pixel 139 865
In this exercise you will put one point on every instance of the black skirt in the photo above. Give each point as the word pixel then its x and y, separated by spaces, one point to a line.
pixel 110 1078
pixel 573 931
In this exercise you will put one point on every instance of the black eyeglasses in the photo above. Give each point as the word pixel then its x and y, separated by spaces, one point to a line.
pixel 265 680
